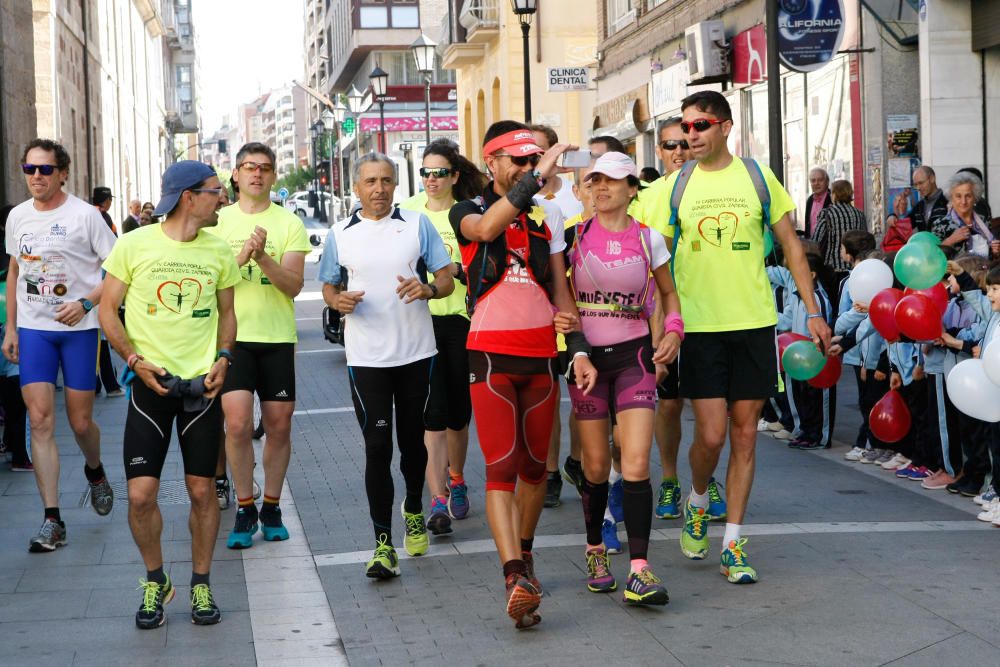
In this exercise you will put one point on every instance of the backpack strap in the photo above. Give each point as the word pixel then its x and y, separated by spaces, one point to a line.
pixel 760 185
pixel 675 204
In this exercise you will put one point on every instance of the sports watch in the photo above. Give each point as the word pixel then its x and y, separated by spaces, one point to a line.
pixel 87 304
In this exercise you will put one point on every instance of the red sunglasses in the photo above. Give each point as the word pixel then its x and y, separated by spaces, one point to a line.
pixel 700 124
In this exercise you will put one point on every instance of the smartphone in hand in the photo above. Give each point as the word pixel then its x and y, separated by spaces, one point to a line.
pixel 576 159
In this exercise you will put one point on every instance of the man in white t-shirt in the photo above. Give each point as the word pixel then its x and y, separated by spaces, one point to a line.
pixel 389 339
pixel 57 243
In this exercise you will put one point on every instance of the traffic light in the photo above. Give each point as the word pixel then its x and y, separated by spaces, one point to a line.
pixel 222 146
pixel 322 180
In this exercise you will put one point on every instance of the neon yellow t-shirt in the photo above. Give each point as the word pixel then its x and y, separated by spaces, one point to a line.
pixel 171 313
pixel 453 304
pixel 652 206
pixel 264 313
pixel 415 203
pixel 719 265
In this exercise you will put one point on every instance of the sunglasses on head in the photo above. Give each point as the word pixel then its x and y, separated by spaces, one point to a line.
pixel 700 124
pixel 436 172
pixel 521 160
pixel 671 144
pixel 46 169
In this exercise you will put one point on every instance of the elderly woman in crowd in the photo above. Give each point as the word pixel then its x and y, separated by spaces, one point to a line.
pixel 833 222
pixel 963 228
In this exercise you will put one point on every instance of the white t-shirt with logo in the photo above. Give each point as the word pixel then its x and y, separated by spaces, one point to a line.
pixel 59 255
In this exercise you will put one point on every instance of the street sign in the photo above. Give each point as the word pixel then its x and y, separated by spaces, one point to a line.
pixel 568 79
pixel 809 32
pixel 348 125
pixel 283 193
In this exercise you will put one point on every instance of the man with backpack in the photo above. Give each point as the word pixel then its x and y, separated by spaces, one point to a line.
pixel 722 210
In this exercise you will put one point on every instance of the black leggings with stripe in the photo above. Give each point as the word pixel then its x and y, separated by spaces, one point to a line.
pixel 375 391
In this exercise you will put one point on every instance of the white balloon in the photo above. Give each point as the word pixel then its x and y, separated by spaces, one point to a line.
pixel 867 279
pixel 991 362
pixel 972 392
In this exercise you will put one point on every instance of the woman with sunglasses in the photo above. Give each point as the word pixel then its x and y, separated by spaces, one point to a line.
pixel 615 264
pixel 447 176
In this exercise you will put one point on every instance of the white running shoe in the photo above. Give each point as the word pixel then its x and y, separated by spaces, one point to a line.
pixel 854 454
pixel 762 425
pixel 990 513
pixel 986 496
pixel 783 434
pixel 896 462
pixel 871 455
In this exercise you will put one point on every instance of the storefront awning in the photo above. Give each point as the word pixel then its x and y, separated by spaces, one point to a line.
pixel 408 123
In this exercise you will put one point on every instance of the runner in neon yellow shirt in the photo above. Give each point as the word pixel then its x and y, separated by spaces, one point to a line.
pixel 728 358
pixel 447 176
pixel 177 282
pixel 270 245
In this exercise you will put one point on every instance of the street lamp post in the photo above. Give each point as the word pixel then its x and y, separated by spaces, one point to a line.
pixel 355 100
pixel 326 121
pixel 380 81
pixel 525 11
pixel 423 53
pixel 319 132
pixel 339 111
pixel 314 132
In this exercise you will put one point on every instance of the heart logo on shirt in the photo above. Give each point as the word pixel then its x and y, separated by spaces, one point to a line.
pixel 717 230
pixel 177 295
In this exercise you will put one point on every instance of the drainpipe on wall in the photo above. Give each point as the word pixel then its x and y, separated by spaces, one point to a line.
pixel 86 98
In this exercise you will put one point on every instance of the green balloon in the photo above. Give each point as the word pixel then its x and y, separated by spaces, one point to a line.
pixel 920 265
pixel 925 237
pixel 802 360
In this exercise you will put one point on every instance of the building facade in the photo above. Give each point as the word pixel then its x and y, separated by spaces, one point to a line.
pixel 481 41
pixel 17 90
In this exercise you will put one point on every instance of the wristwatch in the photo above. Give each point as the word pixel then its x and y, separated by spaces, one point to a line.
pixel 434 290
pixel 87 305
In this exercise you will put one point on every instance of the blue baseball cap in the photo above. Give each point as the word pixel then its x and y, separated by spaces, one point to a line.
pixel 179 177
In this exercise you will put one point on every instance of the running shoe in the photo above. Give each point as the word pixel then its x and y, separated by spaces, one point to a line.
pixel 609 533
pixel 553 489
pixel 522 601
pixel 154 597
pixel 645 588
pixel 599 577
pixel 986 496
pixel 668 503
pixel 896 462
pixel 271 526
pixel 937 482
pixel 991 512
pixel 616 495
pixel 967 487
pixel 716 503
pixel 762 425
pixel 244 528
pixel 529 570
pixel 812 445
pixel 918 474
pixel 458 500
pixel 871 455
pixel 115 393
pixel 102 498
pixel 854 454
pixel 222 493
pixel 204 611
pixel 384 563
pixel 50 536
pixel 27 466
pixel 439 521
pixel 694 536
pixel 734 564
pixel 783 434
pixel 415 539
pixel 904 472
pixel 572 472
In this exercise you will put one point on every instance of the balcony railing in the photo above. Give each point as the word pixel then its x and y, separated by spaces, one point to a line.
pixel 478 14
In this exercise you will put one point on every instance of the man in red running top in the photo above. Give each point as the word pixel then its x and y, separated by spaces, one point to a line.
pixel 516 272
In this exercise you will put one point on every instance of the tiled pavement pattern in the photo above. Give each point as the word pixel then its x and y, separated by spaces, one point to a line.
pixel 842 590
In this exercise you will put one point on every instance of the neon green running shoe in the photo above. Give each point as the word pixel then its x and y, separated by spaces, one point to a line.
pixel 384 564
pixel 734 566
pixel 694 537
pixel 669 500
pixel 716 503
pixel 415 541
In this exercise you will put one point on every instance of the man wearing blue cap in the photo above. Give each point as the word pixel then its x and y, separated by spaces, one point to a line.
pixel 177 284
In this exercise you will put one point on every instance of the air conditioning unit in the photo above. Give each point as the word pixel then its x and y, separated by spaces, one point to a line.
pixel 706 48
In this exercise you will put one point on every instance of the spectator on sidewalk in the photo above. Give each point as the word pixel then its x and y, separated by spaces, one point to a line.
pixel 101 199
pixel 15 414
pixel 131 221
pixel 820 199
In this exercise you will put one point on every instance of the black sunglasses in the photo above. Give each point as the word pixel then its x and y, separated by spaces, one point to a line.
pixel 46 169
pixel 436 172
pixel 670 144
pixel 521 160
pixel 701 124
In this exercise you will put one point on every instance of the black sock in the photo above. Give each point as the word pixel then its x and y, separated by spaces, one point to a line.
pixel 637 506
pixel 595 501
pixel 269 506
pixel 413 504
pixel 53 513
pixel 383 533
pixel 199 579
pixel 515 566
pixel 527 544
pixel 94 475
pixel 157 575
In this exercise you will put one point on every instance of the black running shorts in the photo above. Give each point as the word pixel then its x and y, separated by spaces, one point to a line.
pixel 148 426
pixel 735 365
pixel 267 368
pixel 669 389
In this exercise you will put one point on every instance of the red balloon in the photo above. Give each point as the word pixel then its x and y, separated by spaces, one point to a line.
pixel 938 294
pixel 830 374
pixel 882 311
pixel 918 318
pixel 889 419
pixel 786 339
